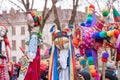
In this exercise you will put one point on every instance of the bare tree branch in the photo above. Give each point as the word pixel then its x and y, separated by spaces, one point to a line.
pixel 16 5
pixel 74 11
pixel 29 29
pixel 98 5
pixel 27 5
pixel 23 2
pixel 32 4
pixel 19 1
pixel 57 22
pixel 44 8
pixel 46 17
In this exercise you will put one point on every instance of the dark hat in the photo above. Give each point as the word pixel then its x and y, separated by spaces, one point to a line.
pixel 110 74
pixel 85 75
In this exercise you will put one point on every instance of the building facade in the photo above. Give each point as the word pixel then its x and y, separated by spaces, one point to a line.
pixel 18 29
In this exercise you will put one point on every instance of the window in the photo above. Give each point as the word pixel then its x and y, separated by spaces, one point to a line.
pixel 13 31
pixel 14 58
pixel 23 44
pixel 22 30
pixel 13 45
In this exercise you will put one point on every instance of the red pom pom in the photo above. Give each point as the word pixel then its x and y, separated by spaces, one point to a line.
pixel 104 60
pixel 36 23
pixel 116 33
pixel 94 74
pixel 92 6
pixel 75 42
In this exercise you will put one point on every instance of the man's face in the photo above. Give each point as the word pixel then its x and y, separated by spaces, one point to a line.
pixel 77 65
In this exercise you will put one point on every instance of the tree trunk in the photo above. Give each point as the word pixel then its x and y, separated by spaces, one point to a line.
pixel 46 16
pixel 32 4
pixel 57 22
pixel 27 5
pixel 45 5
pixel 29 29
pixel 74 11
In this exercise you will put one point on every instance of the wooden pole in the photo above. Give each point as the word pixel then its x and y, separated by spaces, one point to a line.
pixel 119 69
pixel 103 70
pixel 115 55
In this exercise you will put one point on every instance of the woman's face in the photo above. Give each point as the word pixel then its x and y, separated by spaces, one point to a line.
pixel 30 20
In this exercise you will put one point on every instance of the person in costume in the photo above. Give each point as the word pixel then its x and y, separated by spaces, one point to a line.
pixel 61 61
pixel 14 69
pixel 4 56
pixel 33 52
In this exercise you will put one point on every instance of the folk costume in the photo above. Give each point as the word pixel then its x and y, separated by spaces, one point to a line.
pixel 62 56
pixel 33 51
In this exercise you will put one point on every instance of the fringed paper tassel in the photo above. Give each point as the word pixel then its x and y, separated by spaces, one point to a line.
pixel 53 73
pixel 51 64
pixel 118 42
pixel 71 68
pixel 118 48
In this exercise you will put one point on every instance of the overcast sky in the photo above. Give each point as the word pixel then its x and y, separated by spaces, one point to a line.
pixel 38 4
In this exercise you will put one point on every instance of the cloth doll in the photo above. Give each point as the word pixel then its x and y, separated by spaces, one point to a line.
pixel 33 52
